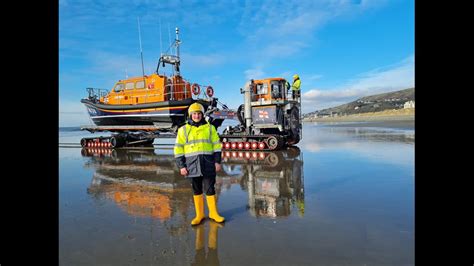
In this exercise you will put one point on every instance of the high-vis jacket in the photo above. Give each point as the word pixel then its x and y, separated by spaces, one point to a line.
pixel 296 85
pixel 198 148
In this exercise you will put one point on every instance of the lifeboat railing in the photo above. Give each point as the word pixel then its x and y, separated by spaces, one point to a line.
pixel 187 94
pixel 170 93
pixel 96 93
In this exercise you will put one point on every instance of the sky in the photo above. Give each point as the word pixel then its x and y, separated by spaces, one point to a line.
pixel 341 49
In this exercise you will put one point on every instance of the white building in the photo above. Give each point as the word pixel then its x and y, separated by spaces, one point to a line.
pixel 409 104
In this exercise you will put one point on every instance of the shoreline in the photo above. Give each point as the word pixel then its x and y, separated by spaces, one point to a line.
pixel 362 119
pixel 387 115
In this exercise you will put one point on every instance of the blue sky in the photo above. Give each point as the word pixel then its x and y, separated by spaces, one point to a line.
pixel 342 50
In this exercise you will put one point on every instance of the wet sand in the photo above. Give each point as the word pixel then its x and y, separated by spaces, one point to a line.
pixel 344 197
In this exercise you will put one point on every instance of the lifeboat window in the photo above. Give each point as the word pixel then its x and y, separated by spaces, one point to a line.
pixel 129 86
pixel 118 87
pixel 140 85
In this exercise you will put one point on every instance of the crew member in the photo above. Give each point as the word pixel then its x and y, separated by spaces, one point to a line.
pixel 198 155
pixel 295 88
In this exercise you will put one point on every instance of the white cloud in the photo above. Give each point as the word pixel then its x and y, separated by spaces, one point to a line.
pixel 289 26
pixel 313 77
pixel 106 62
pixel 391 78
pixel 286 74
pixel 202 60
pixel 283 49
pixel 254 73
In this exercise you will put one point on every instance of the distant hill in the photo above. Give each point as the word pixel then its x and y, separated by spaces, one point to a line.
pixel 373 103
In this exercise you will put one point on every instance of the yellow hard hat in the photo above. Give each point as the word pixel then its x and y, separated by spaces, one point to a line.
pixel 195 107
pixel 295 76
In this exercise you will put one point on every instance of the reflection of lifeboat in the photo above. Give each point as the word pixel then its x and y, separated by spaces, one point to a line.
pixel 136 200
pixel 136 166
pixel 148 100
pixel 141 182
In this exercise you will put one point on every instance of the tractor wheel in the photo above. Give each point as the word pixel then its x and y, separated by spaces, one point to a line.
pixel 84 142
pixel 272 143
pixel 241 114
pixel 272 159
pixel 117 141
pixel 295 130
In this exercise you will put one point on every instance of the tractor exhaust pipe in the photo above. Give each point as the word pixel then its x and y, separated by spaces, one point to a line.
pixel 247 106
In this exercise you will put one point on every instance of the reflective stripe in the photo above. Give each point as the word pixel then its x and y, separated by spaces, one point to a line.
pixel 196 142
pixel 186 133
pixel 210 132
pixel 199 141
pixel 187 155
pixel 178 155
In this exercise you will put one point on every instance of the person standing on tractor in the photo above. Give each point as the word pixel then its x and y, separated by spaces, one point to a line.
pixel 197 152
pixel 295 88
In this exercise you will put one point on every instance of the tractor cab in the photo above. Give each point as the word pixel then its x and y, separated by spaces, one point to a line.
pixel 270 91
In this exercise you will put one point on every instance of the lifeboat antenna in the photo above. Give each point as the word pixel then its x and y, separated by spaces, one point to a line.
pixel 161 45
pixel 171 47
pixel 177 42
pixel 141 51
pixel 170 58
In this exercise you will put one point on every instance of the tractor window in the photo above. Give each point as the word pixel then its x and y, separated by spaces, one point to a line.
pixel 118 87
pixel 129 85
pixel 276 90
pixel 140 84
pixel 262 88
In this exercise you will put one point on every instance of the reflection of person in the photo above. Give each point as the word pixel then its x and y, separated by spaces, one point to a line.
pixel 211 258
pixel 296 87
pixel 198 155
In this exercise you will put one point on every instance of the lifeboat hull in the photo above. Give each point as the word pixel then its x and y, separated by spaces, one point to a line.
pixel 173 112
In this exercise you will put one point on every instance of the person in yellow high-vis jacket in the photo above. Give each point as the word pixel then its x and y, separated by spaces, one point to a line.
pixel 197 152
pixel 296 92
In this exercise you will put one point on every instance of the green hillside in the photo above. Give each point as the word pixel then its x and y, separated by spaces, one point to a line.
pixel 373 103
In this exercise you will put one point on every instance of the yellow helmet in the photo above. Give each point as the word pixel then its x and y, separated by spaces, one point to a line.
pixel 295 76
pixel 195 107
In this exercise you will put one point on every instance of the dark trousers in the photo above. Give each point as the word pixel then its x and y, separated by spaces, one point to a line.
pixel 296 94
pixel 206 183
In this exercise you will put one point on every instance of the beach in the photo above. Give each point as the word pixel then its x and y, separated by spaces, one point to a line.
pixel 343 196
pixel 387 115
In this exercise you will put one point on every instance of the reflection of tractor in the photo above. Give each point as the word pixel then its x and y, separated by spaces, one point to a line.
pixel 269 120
pixel 274 180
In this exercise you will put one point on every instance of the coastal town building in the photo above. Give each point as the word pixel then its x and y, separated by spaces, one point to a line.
pixel 409 104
